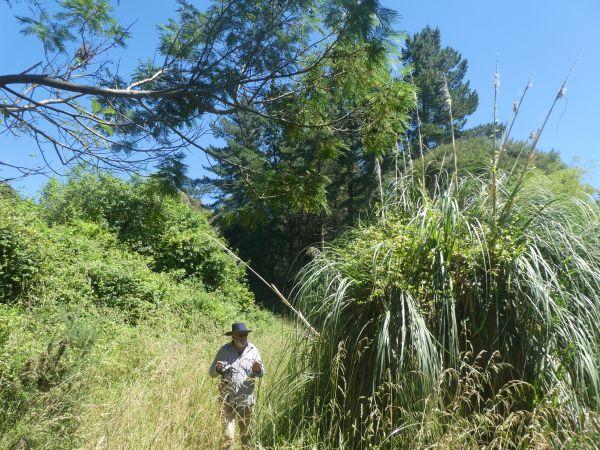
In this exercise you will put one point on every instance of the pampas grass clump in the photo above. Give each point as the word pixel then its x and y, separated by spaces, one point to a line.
pixel 399 303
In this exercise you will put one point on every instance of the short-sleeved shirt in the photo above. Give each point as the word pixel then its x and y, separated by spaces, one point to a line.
pixel 237 378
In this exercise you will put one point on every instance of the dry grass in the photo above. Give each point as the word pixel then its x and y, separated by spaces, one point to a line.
pixel 168 401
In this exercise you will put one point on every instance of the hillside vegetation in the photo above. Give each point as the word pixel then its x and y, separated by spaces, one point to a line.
pixel 108 286
pixel 474 158
pixel 447 276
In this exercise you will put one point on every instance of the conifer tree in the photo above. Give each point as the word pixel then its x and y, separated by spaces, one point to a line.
pixel 431 64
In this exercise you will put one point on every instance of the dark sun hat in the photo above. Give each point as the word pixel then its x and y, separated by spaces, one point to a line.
pixel 239 327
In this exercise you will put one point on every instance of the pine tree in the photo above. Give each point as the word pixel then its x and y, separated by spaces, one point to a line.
pixel 172 172
pixel 432 65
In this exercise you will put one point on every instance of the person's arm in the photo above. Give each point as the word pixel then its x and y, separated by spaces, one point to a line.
pixel 212 371
pixel 261 372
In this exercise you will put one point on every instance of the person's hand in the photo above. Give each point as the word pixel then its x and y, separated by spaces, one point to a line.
pixel 219 366
pixel 256 367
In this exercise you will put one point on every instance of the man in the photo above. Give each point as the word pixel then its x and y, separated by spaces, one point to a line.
pixel 239 364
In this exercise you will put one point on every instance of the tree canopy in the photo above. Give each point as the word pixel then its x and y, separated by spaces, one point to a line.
pixel 435 70
pixel 233 56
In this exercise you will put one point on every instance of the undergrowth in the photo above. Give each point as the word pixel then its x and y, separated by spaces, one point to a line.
pixel 98 283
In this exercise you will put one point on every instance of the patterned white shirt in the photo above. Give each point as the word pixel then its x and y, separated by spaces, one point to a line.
pixel 237 377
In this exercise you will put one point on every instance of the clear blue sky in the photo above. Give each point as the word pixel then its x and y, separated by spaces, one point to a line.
pixel 532 38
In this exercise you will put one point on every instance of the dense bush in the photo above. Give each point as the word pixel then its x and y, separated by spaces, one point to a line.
pixel 97 259
pixel 148 220
pixel 399 302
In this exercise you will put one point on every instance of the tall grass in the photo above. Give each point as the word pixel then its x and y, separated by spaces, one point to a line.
pixel 146 387
pixel 400 303
pixel 169 402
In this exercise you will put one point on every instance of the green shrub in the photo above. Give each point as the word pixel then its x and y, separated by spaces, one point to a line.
pixel 148 220
pixel 97 261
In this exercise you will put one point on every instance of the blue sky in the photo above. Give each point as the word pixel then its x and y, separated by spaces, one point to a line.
pixel 531 38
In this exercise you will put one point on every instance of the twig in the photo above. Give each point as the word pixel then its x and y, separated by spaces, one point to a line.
pixel 147 80
pixel 270 286
pixel 31 68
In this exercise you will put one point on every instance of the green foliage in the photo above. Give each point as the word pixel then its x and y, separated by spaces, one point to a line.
pixel 7 191
pixel 20 256
pixel 284 186
pixel 431 64
pixel 474 157
pixel 458 413
pixel 151 220
pixel 39 351
pixel 75 19
pixel 84 263
pixel 217 59
pixel 172 172
pixel 263 41
pixel 400 301
pixel 96 259
pixel 289 167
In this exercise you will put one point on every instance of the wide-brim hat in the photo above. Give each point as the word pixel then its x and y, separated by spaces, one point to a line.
pixel 238 327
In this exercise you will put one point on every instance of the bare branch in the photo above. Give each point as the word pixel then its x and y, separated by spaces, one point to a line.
pixel 147 80
pixel 44 80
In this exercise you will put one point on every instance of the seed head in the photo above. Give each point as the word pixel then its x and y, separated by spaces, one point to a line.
pixel 447 94
pixel 562 93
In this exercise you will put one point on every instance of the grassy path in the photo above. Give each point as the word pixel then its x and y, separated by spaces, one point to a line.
pixel 168 401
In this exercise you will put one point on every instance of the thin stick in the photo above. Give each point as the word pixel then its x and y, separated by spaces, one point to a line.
pixel 420 143
pixel 270 286
pixel 495 111
pixel 495 154
pixel 380 186
pixel 419 134
pixel 515 113
pixel 31 68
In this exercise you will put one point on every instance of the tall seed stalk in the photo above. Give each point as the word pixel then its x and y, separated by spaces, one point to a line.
pixel 536 137
pixel 419 134
pixel 380 186
pixel 495 152
pixel 449 103
pixel 515 112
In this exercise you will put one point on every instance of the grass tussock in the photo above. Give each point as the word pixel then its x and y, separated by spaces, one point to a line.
pixel 400 303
